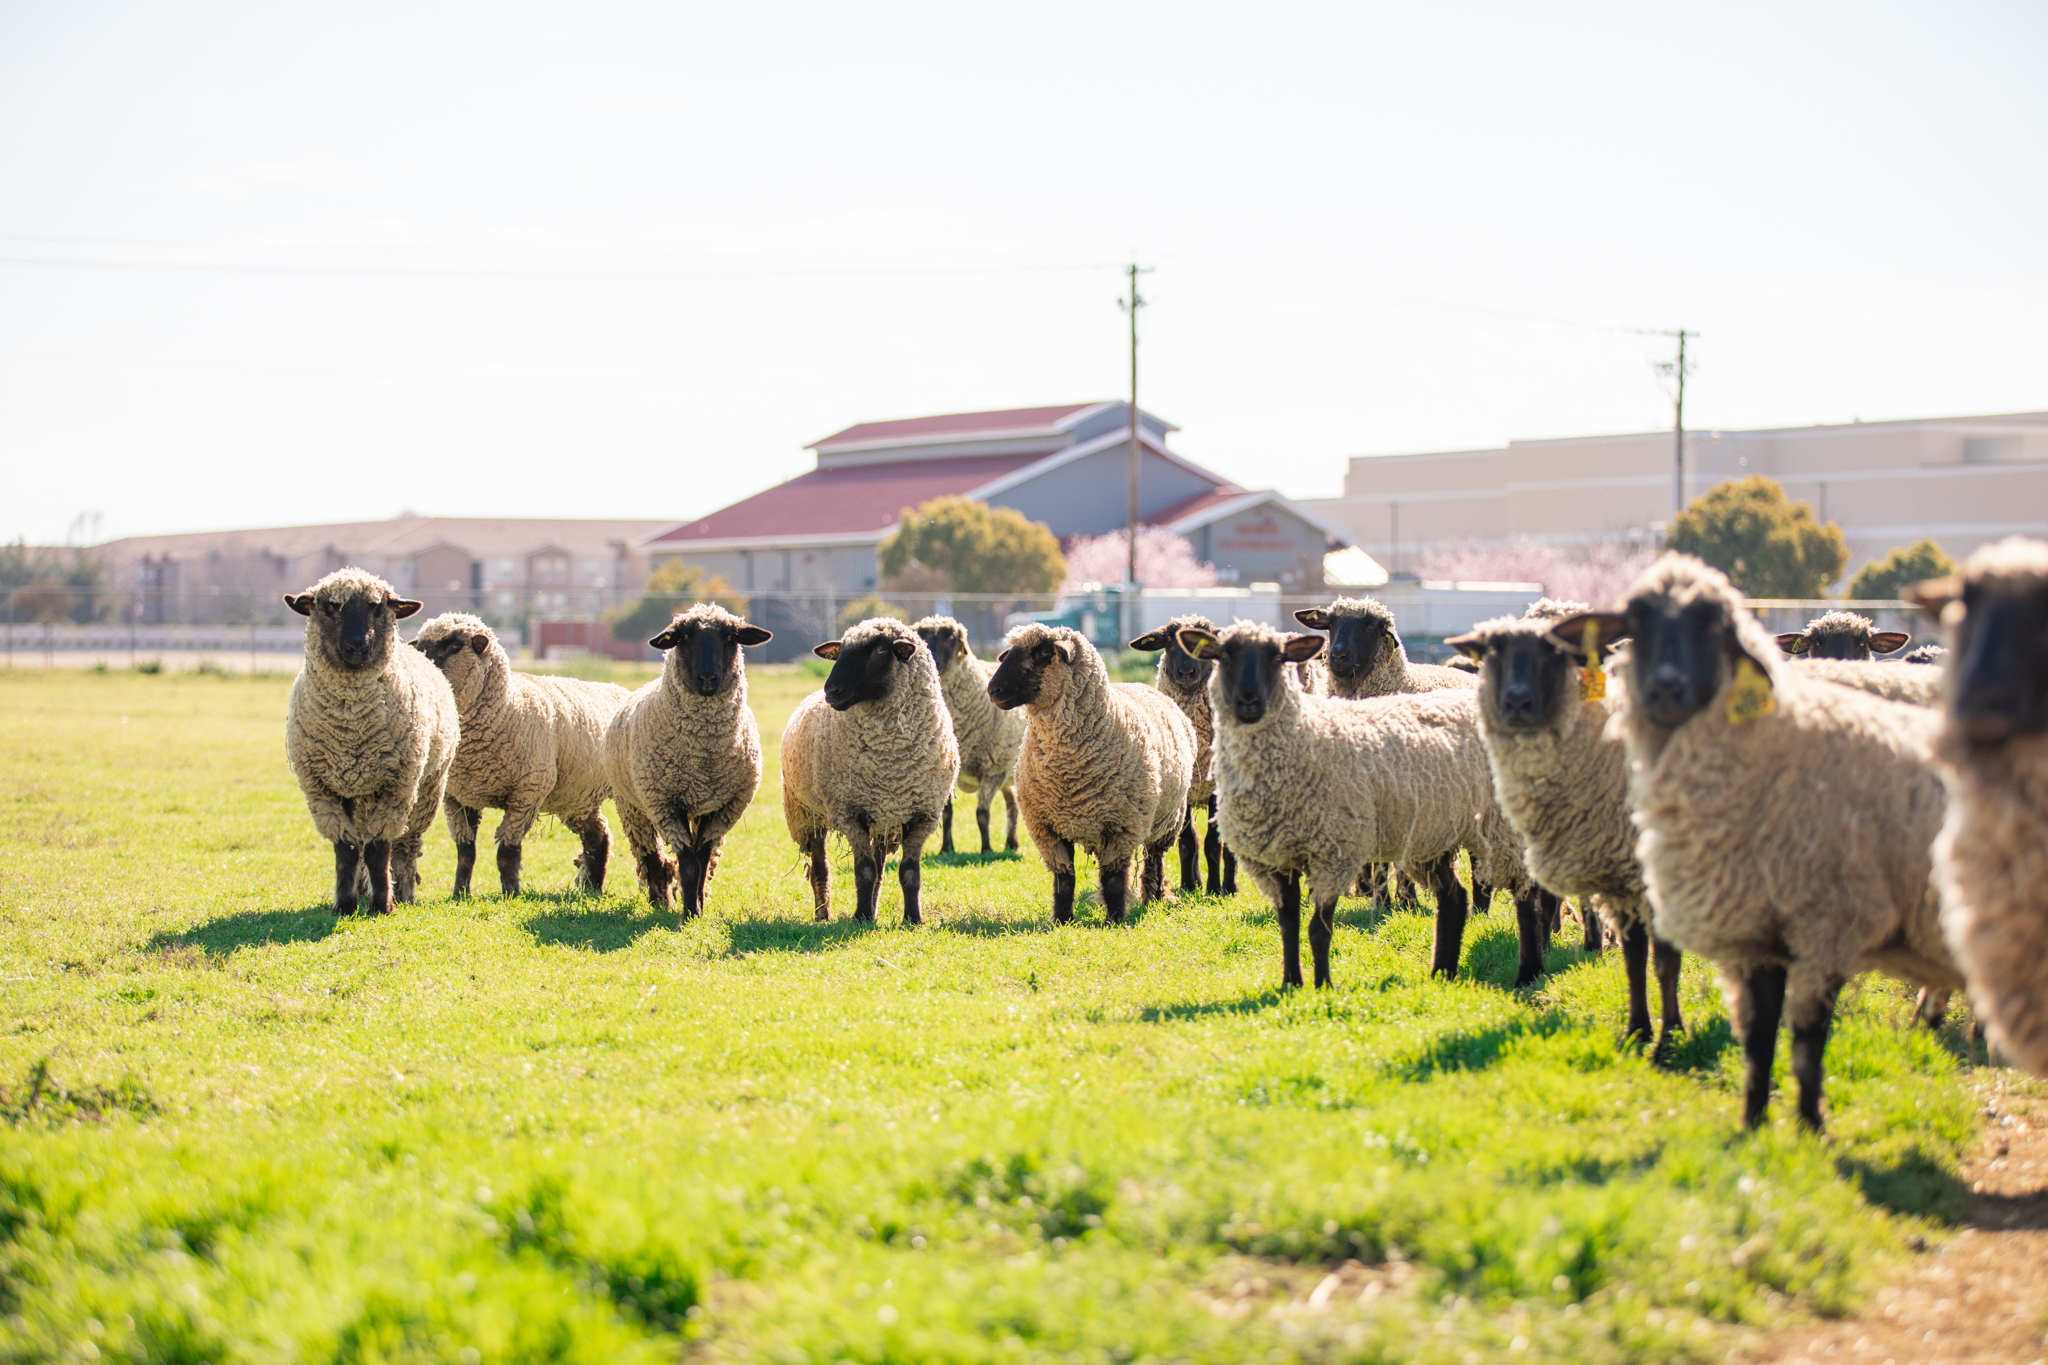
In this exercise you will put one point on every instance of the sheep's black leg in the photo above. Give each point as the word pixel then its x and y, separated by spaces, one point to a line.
pixel 1809 1043
pixel 1482 894
pixel 405 869
pixel 1322 926
pixel 946 828
pixel 597 849
pixel 346 857
pixel 1288 912
pixel 1532 924
pixel 377 862
pixel 910 866
pixel 981 824
pixel 465 867
pixel 1553 915
pixel 1116 886
pixel 1372 881
pixel 1757 1013
pixel 1009 821
pixel 462 823
pixel 1451 910
pixel 1666 958
pixel 1153 886
pixel 1635 961
pixel 1212 849
pixel 867 879
pixel 1190 850
pixel 1589 924
pixel 707 860
pixel 1229 858
pixel 1063 885
pixel 508 869
pixel 690 872
pixel 1932 1007
pixel 821 878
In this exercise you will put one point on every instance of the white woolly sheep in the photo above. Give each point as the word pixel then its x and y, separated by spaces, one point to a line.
pixel 871 758
pixel 1842 635
pixel 1105 765
pixel 370 734
pixel 989 737
pixel 1184 680
pixel 1563 784
pixel 1924 654
pixel 1894 681
pixel 1322 785
pixel 1991 860
pixel 530 745
pixel 1786 823
pixel 684 753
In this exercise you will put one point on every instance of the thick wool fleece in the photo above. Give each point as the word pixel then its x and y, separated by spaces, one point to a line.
pixel 1894 681
pixel 1107 766
pixel 1392 673
pixel 1802 837
pixel 1194 704
pixel 529 744
pixel 1553 609
pixel 683 766
pixel 1564 788
pixel 1324 785
pixel 878 766
pixel 989 737
pixel 1843 625
pixel 371 747
pixel 1992 857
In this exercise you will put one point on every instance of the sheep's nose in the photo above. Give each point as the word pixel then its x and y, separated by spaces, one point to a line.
pixel 1518 701
pixel 1990 713
pixel 1341 661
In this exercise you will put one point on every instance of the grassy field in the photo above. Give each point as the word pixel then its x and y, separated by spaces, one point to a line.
pixel 564 1128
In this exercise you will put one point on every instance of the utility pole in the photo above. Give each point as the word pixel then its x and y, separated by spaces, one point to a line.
pixel 1130 307
pixel 1678 369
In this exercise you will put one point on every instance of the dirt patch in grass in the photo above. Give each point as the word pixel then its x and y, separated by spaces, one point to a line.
pixel 1980 1299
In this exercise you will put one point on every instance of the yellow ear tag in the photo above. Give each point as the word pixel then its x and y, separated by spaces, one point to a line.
pixel 1750 696
pixel 1592 678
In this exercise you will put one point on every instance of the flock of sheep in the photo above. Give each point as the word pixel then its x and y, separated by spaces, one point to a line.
pixel 1790 808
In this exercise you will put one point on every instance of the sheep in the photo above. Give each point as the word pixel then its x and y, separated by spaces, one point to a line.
pixel 1842 635
pixel 1785 823
pixel 1924 654
pixel 1991 860
pixel 1105 765
pixel 529 745
pixel 989 738
pixel 1323 785
pixel 1366 657
pixel 370 735
pixel 1893 681
pixel 1184 679
pixel 683 753
pixel 873 759
pixel 1562 781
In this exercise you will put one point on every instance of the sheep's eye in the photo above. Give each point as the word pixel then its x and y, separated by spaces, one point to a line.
pixel 331 608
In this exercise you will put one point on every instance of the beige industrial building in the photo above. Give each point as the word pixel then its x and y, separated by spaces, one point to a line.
pixel 1961 480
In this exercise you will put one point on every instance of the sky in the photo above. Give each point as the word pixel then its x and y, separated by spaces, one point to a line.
pixel 277 263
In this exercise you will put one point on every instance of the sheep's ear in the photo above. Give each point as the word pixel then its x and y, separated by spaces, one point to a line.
pixel 1299 649
pixel 828 650
pixel 1889 641
pixel 302 604
pixel 1315 618
pixel 1203 644
pixel 1793 643
pixel 1065 648
pixel 402 607
pixel 666 640
pixel 903 649
pixel 480 644
pixel 1152 641
pixel 1933 594
pixel 753 635
pixel 1569 634
pixel 1471 646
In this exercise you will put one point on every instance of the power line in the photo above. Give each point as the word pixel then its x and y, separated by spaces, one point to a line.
pixel 497 273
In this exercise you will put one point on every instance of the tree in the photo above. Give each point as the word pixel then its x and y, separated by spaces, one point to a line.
pixel 1882 579
pixel 1768 546
pixel 972 547
pixel 1165 560
pixel 670 588
pixel 863 608
pixel 44 601
pixel 22 566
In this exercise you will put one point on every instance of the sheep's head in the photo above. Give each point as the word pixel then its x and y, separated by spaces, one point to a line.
pixel 1842 635
pixel 1036 665
pixel 464 649
pixel 866 660
pixel 1362 634
pixel 356 615
pixel 1176 665
pixel 1925 654
pixel 1251 662
pixel 1528 679
pixel 1691 637
pixel 945 638
pixel 703 646
pixel 1996 611
pixel 1553 609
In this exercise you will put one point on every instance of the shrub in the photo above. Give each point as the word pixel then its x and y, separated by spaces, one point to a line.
pixel 670 588
pixel 972 547
pixel 1767 545
pixel 1882 579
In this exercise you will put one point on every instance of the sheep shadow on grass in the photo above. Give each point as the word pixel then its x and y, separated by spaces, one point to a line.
pixel 796 936
pixel 219 938
pixel 964 859
pixel 1251 1002
pixel 599 928
pixel 1916 1184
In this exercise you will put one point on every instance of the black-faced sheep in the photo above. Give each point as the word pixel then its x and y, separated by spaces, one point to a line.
pixel 1105 765
pixel 1924 654
pixel 872 759
pixel 529 745
pixel 1842 635
pixel 1992 857
pixel 1366 657
pixel 1786 823
pixel 1323 785
pixel 989 737
pixel 1184 680
pixel 684 753
pixel 370 734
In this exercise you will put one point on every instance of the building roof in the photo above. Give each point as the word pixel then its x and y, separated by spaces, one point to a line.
pixel 484 537
pixel 855 503
pixel 954 425
pixel 1193 507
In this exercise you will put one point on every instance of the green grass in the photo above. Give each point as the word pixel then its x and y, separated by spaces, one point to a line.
pixel 565 1128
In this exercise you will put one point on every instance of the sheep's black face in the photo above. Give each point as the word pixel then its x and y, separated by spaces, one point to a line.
pixel 356 629
pixel 1356 645
pixel 1249 668
pixel 1679 655
pixel 944 645
pixel 1998 690
pixel 446 649
pixel 864 670
pixel 1019 678
pixel 1525 681
pixel 1182 669
pixel 707 652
